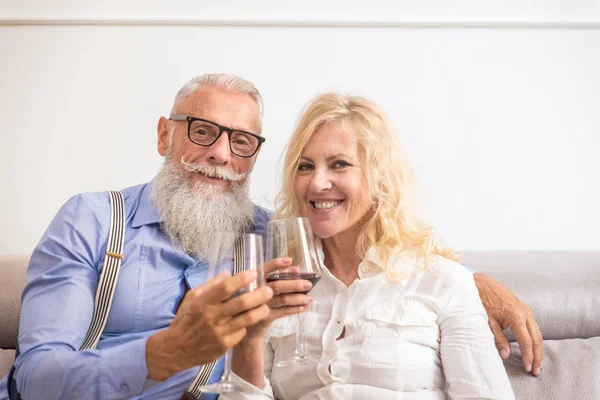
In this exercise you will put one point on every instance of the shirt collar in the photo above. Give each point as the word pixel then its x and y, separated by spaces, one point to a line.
pixel 369 267
pixel 146 213
pixel 373 263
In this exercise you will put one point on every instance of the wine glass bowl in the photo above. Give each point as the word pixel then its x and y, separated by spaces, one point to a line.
pixel 291 274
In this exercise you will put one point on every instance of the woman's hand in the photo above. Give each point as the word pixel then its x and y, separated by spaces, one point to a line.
pixel 288 298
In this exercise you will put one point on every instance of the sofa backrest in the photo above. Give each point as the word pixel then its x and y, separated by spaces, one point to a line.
pixel 560 287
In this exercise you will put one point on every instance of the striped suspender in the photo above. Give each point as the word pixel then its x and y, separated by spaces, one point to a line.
pixel 110 271
pixel 238 256
pixel 206 370
pixel 200 380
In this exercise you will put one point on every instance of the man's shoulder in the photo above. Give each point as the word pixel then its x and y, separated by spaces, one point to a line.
pixel 100 199
pixel 261 219
pixel 262 213
pixel 97 204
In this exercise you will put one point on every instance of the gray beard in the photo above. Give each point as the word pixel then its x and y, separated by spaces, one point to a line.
pixel 192 216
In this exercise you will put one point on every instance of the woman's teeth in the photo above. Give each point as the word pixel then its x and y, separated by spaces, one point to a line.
pixel 326 205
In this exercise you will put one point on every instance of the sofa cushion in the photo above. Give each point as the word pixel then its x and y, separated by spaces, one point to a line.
pixel 6 360
pixel 560 287
pixel 12 277
pixel 569 371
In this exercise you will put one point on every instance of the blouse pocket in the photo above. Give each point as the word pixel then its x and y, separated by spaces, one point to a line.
pixel 394 331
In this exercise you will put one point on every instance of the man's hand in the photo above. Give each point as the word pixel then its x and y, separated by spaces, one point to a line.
pixel 505 310
pixel 208 322
pixel 288 298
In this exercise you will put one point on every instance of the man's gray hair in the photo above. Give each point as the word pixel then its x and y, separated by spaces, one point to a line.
pixel 229 82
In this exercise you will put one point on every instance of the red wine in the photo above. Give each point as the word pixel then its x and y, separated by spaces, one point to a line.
pixel 288 276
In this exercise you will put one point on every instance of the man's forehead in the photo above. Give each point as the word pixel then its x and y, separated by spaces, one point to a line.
pixel 235 110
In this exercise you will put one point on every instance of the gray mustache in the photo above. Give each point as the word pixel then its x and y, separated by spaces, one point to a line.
pixel 214 171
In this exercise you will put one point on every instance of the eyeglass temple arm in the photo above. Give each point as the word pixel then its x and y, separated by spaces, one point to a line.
pixel 178 117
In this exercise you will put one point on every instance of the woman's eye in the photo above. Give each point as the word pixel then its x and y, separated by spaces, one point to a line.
pixel 304 167
pixel 340 164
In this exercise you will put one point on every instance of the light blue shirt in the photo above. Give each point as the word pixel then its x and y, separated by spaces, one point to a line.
pixel 58 303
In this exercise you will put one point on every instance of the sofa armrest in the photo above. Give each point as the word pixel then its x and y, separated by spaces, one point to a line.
pixel 12 281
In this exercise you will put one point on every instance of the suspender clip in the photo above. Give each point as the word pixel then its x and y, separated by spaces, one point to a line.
pixel 115 255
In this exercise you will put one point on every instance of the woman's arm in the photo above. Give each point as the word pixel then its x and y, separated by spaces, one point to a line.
pixel 471 363
pixel 252 358
pixel 248 362
pixel 251 367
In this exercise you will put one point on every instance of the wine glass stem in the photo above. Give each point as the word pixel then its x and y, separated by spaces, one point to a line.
pixel 300 345
pixel 227 366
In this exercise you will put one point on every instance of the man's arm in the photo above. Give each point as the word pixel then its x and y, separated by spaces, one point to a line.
pixel 505 310
pixel 57 307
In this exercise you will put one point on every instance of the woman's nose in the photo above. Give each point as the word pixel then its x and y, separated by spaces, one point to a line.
pixel 320 182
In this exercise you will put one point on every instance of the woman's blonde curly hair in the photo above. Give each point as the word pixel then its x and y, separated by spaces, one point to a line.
pixel 393 228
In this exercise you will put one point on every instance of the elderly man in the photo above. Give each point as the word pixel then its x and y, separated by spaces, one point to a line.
pixel 164 323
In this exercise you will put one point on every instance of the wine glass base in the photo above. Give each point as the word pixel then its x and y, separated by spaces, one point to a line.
pixel 221 387
pixel 298 360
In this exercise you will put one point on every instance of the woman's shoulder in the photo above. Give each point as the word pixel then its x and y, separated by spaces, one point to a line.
pixel 437 280
pixel 433 267
pixel 448 268
pixel 446 276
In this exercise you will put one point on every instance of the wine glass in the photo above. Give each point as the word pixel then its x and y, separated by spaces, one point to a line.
pixel 294 238
pixel 234 253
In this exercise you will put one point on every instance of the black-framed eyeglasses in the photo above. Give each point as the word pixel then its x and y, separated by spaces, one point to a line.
pixel 205 133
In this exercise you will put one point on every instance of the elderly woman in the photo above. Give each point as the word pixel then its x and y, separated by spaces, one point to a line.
pixel 394 315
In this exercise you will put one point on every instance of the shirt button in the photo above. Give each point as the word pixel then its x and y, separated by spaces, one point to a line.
pixel 124 386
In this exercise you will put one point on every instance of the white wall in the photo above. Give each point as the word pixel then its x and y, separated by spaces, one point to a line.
pixel 497 104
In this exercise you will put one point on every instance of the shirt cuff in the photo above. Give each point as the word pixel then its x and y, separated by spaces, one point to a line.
pixel 250 391
pixel 123 369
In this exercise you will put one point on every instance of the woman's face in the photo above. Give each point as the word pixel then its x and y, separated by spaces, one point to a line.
pixel 330 184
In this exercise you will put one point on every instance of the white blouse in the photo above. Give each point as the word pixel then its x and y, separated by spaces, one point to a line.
pixel 423 338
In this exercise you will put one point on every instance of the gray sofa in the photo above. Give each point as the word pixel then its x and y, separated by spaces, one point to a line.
pixel 12 281
pixel 562 288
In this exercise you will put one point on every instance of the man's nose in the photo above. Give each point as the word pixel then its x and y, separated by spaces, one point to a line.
pixel 219 152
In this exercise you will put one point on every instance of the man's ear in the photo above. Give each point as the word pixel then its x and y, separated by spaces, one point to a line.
pixel 163 136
